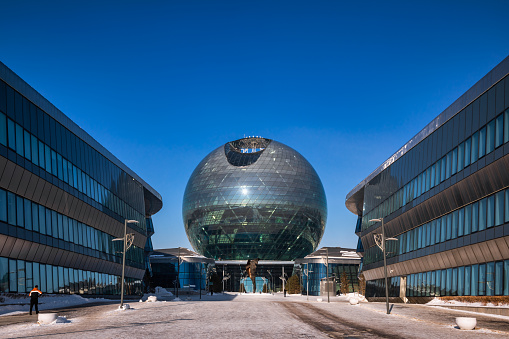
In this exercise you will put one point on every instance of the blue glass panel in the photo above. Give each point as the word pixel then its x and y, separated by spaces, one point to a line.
pixel 454 224
pixel 475 217
pixel 461 156
pixel 454 285
pixel 461 280
pixel 499 132
pixel 506 276
pixel 3 207
pixel 482 279
pixel 3 129
pixel 468 279
pixel 490 211
pixel 482 214
pixel 468 151
pixel 461 222
pixel 499 208
pixel 499 277
pixel 475 280
pixel 490 278
pixel 490 137
pixel 482 142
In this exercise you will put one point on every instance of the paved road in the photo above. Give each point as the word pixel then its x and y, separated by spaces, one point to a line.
pixel 254 316
pixel 332 325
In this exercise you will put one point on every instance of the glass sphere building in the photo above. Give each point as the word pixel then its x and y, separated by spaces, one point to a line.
pixel 254 198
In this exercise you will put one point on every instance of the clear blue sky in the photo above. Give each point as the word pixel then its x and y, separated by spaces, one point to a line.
pixel 162 83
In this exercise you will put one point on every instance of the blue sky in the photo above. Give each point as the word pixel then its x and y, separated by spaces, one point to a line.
pixel 163 83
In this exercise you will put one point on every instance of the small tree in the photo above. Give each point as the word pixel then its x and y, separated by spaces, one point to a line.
pixel 362 284
pixel 344 283
pixel 293 285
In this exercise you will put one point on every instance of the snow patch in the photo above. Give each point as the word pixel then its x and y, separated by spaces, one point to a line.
pixel 20 304
pixel 439 302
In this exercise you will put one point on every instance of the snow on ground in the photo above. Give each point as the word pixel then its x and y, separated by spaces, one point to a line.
pixel 439 302
pixel 10 306
pixel 233 315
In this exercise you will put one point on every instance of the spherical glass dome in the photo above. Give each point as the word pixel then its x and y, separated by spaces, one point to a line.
pixel 254 198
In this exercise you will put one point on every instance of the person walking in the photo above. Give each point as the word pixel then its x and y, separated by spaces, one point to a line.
pixel 34 299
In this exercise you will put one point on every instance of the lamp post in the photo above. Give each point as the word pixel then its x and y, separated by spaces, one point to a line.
pixel 306 272
pixel 178 273
pixel 272 282
pixel 126 247
pixel 382 247
pixel 327 280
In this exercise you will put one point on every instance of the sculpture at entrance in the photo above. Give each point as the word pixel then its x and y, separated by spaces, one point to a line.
pixel 251 271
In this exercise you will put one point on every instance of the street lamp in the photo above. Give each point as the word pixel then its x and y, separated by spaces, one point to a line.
pixel 381 244
pixel 272 282
pixel 128 241
pixel 327 280
pixel 306 272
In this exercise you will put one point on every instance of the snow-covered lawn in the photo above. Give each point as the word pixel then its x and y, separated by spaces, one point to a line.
pixel 10 306
pixel 439 302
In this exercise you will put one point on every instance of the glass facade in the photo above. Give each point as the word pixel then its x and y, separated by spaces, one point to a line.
pixel 192 275
pixel 63 198
pixel 318 272
pixel 445 197
pixel 254 198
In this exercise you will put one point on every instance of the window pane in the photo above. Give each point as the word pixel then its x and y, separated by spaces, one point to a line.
pixel 461 222
pixel 468 219
pixel 506 276
pixel 467 151
pixel 60 226
pixel 454 224
pixel 28 152
pixel 461 156
pixel 43 285
pixel 467 280
pixel 11 134
pixel 490 278
pixel 475 217
pixel 475 148
pixel 28 214
pixel 42 220
pixel 490 211
pixel 35 217
pixel 490 137
pixel 3 130
pixel 21 276
pixel 454 166
pixel 499 131
pixel 482 279
pixel 19 212
pixel 482 214
pixel 47 155
pixel 49 228
pixel 499 277
pixel 482 142
pixel 54 224
pixel 506 126
pixel 13 279
pixel 475 280
pixel 35 150
pixel 42 161
pixel 461 280
pixel 3 206
pixel 19 140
